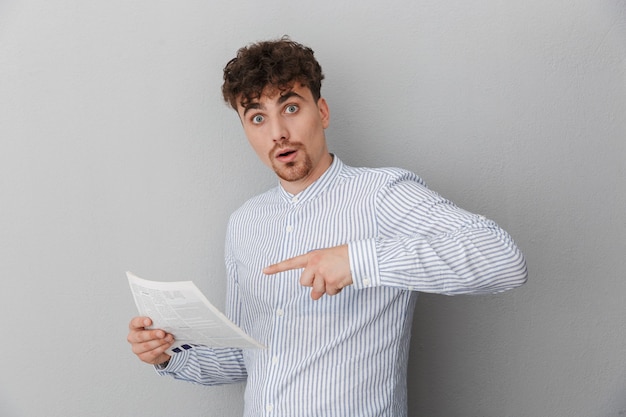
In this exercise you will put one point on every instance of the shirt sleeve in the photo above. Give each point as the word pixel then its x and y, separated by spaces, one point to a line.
pixel 207 366
pixel 426 243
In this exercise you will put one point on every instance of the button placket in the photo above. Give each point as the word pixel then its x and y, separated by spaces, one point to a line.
pixel 281 297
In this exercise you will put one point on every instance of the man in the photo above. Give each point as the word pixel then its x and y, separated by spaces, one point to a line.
pixel 325 268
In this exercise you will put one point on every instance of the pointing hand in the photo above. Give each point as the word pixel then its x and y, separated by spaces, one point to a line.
pixel 326 271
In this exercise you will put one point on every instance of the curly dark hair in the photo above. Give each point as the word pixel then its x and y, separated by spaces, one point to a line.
pixel 276 64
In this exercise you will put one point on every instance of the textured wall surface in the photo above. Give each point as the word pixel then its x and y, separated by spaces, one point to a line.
pixel 117 153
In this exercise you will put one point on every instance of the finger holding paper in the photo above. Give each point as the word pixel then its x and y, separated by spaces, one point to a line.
pixel 326 271
pixel 148 344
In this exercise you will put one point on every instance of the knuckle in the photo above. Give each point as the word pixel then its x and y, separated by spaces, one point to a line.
pixel 314 257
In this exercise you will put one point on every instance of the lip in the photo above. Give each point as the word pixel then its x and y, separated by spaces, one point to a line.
pixel 286 155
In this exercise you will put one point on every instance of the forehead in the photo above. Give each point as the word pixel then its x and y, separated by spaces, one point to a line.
pixel 274 94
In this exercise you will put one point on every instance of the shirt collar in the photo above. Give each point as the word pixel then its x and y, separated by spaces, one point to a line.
pixel 313 190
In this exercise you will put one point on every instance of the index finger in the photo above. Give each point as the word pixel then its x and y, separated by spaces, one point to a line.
pixel 287 265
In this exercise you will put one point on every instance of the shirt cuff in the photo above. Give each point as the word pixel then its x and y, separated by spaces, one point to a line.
pixel 176 363
pixel 364 264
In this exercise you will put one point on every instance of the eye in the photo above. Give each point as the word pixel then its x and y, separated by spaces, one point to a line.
pixel 256 119
pixel 292 108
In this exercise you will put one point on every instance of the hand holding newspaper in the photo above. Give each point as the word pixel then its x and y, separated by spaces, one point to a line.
pixel 181 309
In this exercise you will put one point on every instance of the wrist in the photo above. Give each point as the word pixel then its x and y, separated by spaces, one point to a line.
pixel 161 366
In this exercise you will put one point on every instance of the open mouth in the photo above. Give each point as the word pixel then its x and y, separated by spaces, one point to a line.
pixel 286 153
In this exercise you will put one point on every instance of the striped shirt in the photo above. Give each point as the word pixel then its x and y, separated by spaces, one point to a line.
pixel 344 355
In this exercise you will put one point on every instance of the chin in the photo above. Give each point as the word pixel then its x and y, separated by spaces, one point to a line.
pixel 292 172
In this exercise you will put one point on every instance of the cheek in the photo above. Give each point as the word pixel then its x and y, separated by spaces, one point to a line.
pixel 261 150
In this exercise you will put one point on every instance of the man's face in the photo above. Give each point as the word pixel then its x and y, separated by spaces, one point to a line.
pixel 286 129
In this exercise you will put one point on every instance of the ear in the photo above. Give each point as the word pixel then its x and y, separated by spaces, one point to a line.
pixel 324 112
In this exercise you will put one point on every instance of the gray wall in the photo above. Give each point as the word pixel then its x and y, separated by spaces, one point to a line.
pixel 117 153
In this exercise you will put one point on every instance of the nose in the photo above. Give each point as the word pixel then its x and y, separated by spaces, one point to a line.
pixel 279 130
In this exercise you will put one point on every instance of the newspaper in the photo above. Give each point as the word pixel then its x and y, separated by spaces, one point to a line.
pixel 181 309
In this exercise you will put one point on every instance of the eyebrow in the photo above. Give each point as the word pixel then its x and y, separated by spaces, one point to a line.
pixel 281 100
pixel 288 95
pixel 251 106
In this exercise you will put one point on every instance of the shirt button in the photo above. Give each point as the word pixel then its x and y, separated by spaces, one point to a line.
pixel 366 282
pixel 290 228
pixel 275 360
pixel 280 312
pixel 269 408
pixel 411 288
pixel 295 199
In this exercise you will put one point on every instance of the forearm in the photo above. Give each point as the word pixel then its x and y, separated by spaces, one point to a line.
pixel 476 257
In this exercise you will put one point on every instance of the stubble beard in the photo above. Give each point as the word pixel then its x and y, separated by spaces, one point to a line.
pixel 296 170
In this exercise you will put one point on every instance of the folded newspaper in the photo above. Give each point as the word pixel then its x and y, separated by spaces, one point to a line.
pixel 181 309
